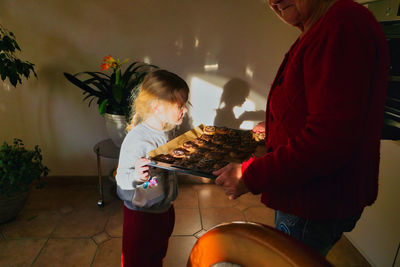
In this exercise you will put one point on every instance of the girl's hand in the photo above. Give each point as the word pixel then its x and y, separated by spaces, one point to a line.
pixel 142 171
pixel 259 128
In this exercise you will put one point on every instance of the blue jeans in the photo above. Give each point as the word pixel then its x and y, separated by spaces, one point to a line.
pixel 319 235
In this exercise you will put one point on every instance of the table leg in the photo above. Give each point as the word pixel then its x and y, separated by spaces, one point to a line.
pixel 100 202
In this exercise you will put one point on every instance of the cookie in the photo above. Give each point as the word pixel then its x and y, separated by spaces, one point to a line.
pixel 238 154
pixel 233 133
pixel 246 135
pixel 189 146
pixel 179 153
pixel 164 158
pixel 205 165
pixel 206 137
pixel 199 142
pixel 218 139
pixel 220 164
pixel 221 130
pixel 259 136
pixel 214 155
pixel 202 150
pixel 210 146
pixel 210 130
pixel 193 157
pixel 227 147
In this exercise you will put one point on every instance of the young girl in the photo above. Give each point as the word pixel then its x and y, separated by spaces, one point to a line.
pixel 149 216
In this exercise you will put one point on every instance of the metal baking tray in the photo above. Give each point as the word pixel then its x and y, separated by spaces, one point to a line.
pixel 172 167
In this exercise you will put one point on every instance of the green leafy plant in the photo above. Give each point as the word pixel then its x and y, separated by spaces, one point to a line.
pixel 10 66
pixel 113 92
pixel 19 167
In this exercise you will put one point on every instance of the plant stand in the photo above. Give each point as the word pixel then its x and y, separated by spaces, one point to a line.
pixel 104 149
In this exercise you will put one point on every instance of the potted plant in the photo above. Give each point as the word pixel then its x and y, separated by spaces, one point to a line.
pixel 113 93
pixel 19 168
pixel 10 66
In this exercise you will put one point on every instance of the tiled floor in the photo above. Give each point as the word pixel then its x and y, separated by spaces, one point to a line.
pixel 61 225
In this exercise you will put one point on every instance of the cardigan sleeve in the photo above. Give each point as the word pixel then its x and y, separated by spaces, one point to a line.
pixel 338 69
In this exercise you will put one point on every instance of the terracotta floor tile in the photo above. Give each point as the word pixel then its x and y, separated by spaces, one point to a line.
pixel 32 224
pixel 82 223
pixel 101 237
pixel 250 200
pixel 85 197
pixel 19 252
pixel 71 213
pixel 241 207
pixel 200 233
pixel 343 254
pixel 67 252
pixel 179 249
pixel 115 221
pixel 214 216
pixel 187 197
pixel 57 198
pixel 109 254
pixel 187 222
pixel 260 214
pixel 212 196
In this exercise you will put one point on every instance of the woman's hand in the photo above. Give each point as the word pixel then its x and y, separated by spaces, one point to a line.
pixel 230 178
pixel 141 169
pixel 259 128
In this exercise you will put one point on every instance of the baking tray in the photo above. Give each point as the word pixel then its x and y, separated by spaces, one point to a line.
pixel 177 142
pixel 172 167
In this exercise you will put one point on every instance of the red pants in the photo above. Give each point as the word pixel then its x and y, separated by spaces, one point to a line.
pixel 145 237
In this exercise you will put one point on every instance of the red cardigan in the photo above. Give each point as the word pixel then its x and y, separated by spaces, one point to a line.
pixel 324 118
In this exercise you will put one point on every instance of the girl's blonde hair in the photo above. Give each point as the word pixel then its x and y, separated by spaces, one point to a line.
pixel 159 85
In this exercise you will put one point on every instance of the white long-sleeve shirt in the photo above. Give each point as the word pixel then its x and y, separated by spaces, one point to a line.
pixel 137 143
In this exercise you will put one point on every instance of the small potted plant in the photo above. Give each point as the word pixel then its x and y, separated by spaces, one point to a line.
pixel 113 93
pixel 10 66
pixel 19 168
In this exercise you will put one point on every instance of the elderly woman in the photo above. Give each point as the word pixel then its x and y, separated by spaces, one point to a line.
pixel 323 123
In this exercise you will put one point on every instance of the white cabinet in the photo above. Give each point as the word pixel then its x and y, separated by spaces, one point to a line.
pixel 377 234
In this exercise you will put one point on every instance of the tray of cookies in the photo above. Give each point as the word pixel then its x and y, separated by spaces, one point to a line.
pixel 205 149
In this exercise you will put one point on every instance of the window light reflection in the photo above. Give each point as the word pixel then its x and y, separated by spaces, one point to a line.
pixel 211 67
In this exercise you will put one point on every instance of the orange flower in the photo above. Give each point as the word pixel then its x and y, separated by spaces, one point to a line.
pixel 105 66
pixel 109 62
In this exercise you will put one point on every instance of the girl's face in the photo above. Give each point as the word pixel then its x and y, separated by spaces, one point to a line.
pixel 172 113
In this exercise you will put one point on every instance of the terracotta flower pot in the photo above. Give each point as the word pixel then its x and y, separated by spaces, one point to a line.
pixel 12 205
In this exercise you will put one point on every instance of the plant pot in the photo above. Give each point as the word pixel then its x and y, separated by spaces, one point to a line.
pixel 115 125
pixel 12 205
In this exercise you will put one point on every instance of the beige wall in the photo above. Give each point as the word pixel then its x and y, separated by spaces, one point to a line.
pixel 377 234
pixel 242 37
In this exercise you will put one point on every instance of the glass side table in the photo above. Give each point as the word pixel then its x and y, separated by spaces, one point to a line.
pixel 104 149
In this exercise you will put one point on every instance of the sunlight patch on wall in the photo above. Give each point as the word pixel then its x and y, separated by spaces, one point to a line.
pixel 211 67
pixel 5 86
pixel 146 60
pixel 249 72
pixel 205 98
pixel 247 106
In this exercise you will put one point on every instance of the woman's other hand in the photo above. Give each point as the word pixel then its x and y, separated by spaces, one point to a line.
pixel 259 128
pixel 141 169
pixel 229 177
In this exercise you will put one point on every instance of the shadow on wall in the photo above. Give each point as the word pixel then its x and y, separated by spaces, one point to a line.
pixel 235 93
